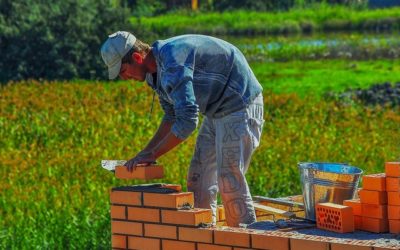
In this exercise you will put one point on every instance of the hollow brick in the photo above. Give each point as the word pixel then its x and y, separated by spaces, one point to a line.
pixel 335 217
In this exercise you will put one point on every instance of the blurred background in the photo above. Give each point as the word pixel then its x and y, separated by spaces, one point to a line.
pixel 330 72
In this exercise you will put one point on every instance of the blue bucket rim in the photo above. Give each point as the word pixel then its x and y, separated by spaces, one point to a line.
pixel 301 166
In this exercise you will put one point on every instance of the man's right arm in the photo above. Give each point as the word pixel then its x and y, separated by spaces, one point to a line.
pixel 163 130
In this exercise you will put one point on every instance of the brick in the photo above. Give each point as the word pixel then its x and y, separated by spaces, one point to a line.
pixel 192 217
pixel 335 217
pixel 141 243
pixel 357 222
pixel 241 248
pixel 394 226
pixel 144 214
pixel 302 244
pixel 270 242
pixel 375 211
pixel 232 237
pixel 126 227
pixel 177 245
pixel 202 246
pixel 393 198
pixel 118 212
pixel 375 225
pixel 160 231
pixel 355 204
pixel 340 246
pixel 140 172
pixel 392 169
pixel 175 187
pixel 119 241
pixel 376 182
pixel 373 197
pixel 126 198
pixel 173 200
pixel 204 235
pixel 394 212
pixel 393 184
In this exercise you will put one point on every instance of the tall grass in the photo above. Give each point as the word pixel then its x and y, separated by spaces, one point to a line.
pixel 316 18
pixel 54 194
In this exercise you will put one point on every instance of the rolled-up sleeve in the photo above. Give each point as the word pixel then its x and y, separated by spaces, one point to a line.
pixel 177 81
pixel 169 112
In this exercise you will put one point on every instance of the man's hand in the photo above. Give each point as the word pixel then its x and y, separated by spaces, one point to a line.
pixel 143 158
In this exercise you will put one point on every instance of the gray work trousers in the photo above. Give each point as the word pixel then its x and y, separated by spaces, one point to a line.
pixel 222 156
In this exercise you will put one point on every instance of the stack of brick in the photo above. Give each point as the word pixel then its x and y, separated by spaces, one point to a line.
pixel 373 198
pixel 152 218
pixel 378 209
pixel 162 218
pixel 392 170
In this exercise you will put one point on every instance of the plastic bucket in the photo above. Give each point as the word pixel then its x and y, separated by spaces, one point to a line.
pixel 327 182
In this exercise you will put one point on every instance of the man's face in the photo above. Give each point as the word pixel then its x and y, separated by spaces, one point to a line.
pixel 134 69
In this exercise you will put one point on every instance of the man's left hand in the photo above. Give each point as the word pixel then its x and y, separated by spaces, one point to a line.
pixel 143 158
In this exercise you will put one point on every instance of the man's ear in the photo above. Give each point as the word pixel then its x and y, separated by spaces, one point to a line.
pixel 137 57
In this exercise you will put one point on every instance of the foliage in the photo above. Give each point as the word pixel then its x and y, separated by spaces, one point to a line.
pixel 297 20
pixel 317 78
pixel 54 134
pixel 319 46
pixel 385 94
pixel 55 39
pixel 258 5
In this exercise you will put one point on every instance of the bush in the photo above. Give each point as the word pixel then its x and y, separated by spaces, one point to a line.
pixel 56 39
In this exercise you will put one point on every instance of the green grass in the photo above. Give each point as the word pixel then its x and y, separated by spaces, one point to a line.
pixel 316 18
pixel 352 46
pixel 319 77
pixel 56 195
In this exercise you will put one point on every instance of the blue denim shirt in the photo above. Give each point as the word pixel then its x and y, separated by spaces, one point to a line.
pixel 197 73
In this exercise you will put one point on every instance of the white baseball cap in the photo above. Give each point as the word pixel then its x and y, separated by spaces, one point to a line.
pixel 114 49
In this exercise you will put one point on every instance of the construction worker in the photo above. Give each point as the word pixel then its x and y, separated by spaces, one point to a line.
pixel 195 74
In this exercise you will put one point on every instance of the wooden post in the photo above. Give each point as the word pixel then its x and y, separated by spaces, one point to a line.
pixel 195 4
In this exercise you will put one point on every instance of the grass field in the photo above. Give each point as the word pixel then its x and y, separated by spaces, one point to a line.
pixel 298 20
pixel 53 136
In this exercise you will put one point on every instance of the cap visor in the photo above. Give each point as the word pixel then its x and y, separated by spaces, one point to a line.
pixel 113 71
